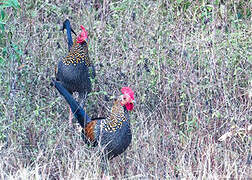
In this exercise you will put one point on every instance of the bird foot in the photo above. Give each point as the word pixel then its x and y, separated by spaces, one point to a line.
pixel 104 177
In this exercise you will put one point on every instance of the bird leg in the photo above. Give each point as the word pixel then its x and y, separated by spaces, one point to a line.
pixel 104 167
pixel 70 116
pixel 82 99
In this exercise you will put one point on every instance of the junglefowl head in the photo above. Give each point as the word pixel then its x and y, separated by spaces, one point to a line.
pixel 127 98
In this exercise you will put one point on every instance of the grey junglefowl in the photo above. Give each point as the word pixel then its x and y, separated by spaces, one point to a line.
pixel 73 70
pixel 112 133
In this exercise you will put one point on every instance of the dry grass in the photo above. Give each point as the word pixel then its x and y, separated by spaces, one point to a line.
pixel 188 63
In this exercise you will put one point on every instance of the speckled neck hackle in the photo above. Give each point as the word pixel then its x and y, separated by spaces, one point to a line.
pixel 78 54
pixel 116 118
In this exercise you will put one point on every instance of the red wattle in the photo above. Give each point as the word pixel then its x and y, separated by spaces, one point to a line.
pixel 129 106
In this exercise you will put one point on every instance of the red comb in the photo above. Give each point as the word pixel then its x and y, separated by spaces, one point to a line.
pixel 83 35
pixel 83 29
pixel 127 90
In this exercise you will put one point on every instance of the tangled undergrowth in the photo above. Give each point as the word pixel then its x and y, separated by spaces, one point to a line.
pixel 189 63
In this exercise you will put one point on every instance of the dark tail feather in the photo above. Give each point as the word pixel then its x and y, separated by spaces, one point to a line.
pixel 67 26
pixel 78 112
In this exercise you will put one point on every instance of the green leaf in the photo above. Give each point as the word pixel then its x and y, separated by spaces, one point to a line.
pixel 1 60
pixel 10 3
pixel 209 7
pixel 2 15
pixel 186 5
